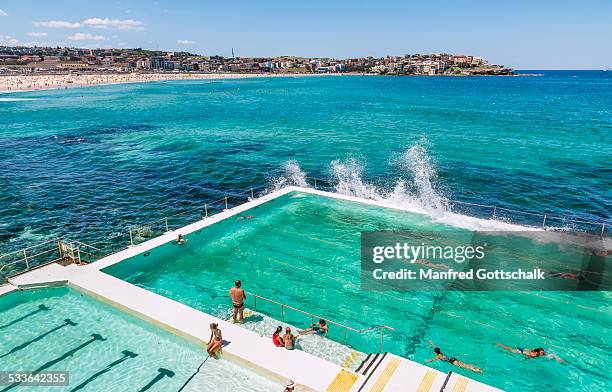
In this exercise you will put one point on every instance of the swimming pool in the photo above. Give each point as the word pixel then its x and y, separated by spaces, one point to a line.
pixel 303 250
pixel 105 349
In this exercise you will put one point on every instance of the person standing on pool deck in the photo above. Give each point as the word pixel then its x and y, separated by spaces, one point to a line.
pixel 453 361
pixel 238 297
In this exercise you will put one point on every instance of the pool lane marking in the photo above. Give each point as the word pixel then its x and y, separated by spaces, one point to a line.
pixel 126 355
pixel 461 384
pixel 427 381
pixel 386 375
pixel 161 373
pixel 41 307
pixel 67 322
pixel 66 355
pixel 343 382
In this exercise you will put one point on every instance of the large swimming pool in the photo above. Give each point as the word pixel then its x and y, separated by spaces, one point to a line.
pixel 304 250
pixel 105 349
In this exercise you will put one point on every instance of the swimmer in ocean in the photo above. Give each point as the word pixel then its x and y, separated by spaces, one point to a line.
pixel 180 240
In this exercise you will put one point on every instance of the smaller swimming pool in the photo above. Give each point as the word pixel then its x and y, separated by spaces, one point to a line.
pixel 105 349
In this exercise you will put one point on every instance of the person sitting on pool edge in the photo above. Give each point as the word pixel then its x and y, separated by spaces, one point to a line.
pixel 289 339
pixel 453 361
pixel 536 352
pixel 215 342
pixel 320 329
pixel 277 339
pixel 180 240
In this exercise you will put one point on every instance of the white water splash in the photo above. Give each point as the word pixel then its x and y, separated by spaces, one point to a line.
pixel 293 175
pixel 349 180
pixel 415 189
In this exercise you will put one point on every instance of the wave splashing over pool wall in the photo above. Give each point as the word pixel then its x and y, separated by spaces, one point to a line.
pixel 415 189
pixel 293 175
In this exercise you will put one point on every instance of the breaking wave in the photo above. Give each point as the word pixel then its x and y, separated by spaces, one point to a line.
pixel 292 175
pixel 414 189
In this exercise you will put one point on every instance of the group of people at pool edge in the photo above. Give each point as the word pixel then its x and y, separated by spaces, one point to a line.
pixel 288 339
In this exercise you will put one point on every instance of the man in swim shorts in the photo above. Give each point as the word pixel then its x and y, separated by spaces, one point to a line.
pixel 238 297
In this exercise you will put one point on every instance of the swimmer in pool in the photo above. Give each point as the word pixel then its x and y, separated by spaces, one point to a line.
pixel 440 356
pixel 180 240
pixel 536 352
pixel 320 329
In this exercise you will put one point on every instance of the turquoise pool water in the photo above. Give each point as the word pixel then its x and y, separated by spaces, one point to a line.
pixel 303 250
pixel 126 354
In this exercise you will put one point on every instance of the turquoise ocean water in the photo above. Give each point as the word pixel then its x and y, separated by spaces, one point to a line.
pixel 85 162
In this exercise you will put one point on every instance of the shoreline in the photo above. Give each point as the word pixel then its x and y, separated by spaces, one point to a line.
pixel 41 82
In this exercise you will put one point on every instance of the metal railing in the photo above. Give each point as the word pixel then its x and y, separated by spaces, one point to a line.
pixel 30 257
pixel 50 251
pixel 508 215
pixel 18 261
pixel 313 317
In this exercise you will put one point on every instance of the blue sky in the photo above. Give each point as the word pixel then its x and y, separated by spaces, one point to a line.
pixel 538 34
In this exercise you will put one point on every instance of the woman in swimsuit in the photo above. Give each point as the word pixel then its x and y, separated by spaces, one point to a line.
pixel 440 356
pixel 216 340
pixel 276 338
pixel 289 339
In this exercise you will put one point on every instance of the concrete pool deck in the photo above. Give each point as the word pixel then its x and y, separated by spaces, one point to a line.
pixel 391 373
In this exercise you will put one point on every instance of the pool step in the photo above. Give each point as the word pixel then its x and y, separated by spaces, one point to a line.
pixel 34 286
pixel 369 365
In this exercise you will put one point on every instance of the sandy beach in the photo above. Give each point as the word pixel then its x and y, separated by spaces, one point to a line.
pixel 14 83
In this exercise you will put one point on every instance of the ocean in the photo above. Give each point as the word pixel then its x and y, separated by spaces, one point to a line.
pixel 89 162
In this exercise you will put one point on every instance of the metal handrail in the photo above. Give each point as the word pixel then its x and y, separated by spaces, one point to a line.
pixel 313 316
pixel 28 248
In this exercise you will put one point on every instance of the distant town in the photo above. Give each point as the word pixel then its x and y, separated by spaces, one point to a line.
pixel 32 60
